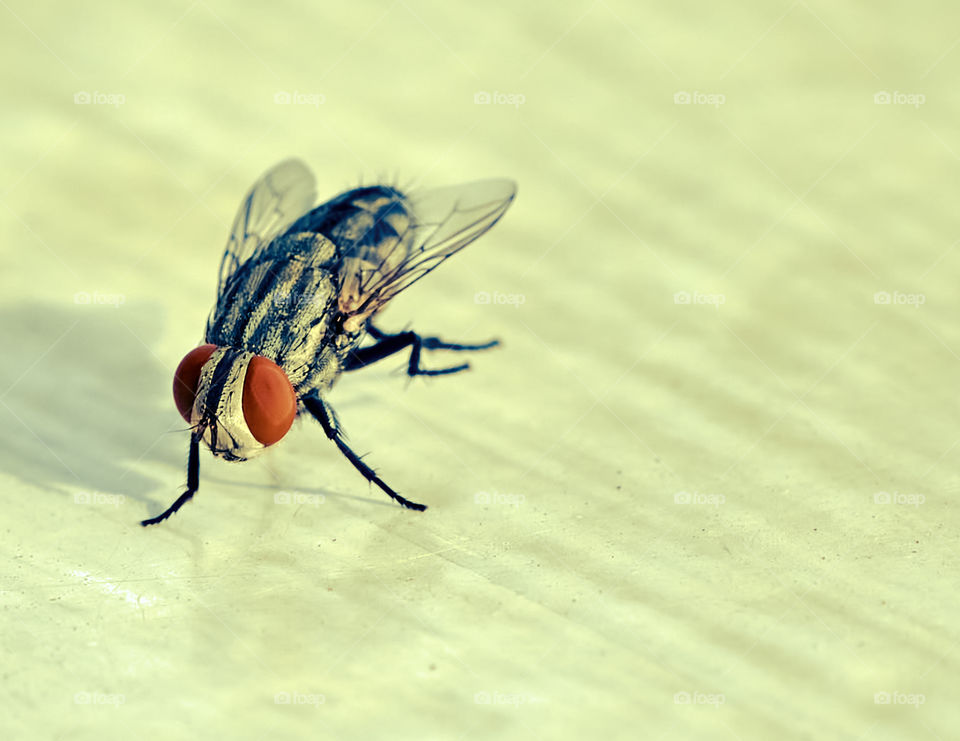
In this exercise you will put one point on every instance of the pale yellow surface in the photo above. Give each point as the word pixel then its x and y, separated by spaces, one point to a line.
pixel 748 497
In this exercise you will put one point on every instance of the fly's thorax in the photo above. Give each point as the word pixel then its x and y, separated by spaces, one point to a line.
pixel 282 312
pixel 238 401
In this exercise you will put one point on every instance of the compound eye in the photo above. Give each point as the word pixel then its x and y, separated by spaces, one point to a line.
pixel 187 377
pixel 269 402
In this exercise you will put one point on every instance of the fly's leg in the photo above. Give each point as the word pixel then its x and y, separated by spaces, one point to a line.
pixel 324 415
pixel 388 344
pixel 193 483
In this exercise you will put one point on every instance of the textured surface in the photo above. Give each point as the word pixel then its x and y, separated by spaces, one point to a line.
pixel 709 459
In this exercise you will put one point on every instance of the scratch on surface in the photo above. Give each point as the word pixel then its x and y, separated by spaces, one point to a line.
pixel 109 587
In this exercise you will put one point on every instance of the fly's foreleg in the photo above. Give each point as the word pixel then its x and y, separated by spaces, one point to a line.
pixel 193 483
pixel 388 344
pixel 324 415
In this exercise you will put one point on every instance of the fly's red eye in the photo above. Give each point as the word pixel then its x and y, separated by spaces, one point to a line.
pixel 269 402
pixel 187 378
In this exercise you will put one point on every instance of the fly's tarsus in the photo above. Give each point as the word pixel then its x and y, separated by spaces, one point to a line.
pixel 388 344
pixel 324 415
pixel 193 483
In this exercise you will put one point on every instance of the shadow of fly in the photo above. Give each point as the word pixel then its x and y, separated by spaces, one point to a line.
pixel 298 290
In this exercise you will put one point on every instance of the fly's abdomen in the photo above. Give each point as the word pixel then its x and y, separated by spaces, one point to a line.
pixel 371 228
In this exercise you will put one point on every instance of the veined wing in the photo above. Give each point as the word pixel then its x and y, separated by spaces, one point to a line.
pixel 281 195
pixel 431 227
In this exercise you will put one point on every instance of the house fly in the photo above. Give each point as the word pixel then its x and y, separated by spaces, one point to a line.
pixel 298 289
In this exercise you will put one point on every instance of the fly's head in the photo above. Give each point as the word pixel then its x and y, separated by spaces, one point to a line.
pixel 237 402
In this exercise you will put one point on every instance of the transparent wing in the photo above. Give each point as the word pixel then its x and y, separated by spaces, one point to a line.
pixel 432 226
pixel 282 194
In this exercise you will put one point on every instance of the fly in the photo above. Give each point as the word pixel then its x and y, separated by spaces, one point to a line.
pixel 298 290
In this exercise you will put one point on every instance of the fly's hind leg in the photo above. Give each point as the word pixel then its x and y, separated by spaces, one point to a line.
pixel 323 413
pixel 388 344
pixel 193 483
